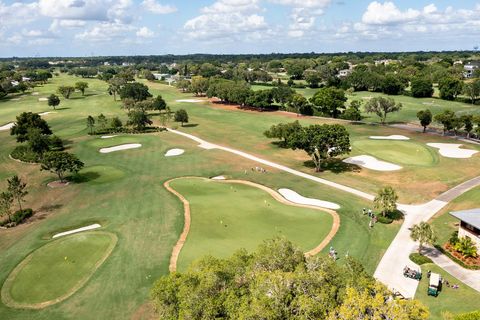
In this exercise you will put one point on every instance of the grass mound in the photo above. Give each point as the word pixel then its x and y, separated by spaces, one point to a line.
pixel 399 152
pixel 226 217
pixel 55 271
pixel 98 175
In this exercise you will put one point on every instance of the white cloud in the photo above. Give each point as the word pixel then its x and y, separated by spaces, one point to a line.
pixel 158 8
pixel 387 13
pixel 105 32
pixel 144 32
pixel 228 19
pixel 302 22
pixel 60 24
pixel 17 13
pixel 304 3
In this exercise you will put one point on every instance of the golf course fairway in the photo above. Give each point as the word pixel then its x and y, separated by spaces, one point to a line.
pixel 55 271
pixel 228 216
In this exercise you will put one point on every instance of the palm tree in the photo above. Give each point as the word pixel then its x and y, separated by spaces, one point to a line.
pixel 17 189
pixel 424 234
pixel 386 200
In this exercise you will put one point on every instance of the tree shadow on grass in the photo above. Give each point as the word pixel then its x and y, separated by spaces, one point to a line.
pixel 50 207
pixel 84 177
pixel 280 144
pixel 396 215
pixel 190 125
pixel 63 108
pixel 334 165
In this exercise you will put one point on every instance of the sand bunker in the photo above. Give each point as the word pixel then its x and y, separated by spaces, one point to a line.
pixel 90 227
pixel 190 100
pixel 174 152
pixel 294 197
pixel 42 99
pixel 35 93
pixel 120 147
pixel 108 137
pixel 392 137
pixel 219 178
pixel 452 150
pixel 372 163
pixel 7 126
pixel 45 113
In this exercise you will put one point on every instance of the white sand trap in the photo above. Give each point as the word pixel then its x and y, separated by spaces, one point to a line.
pixel 294 197
pixel 219 178
pixel 45 113
pixel 16 99
pixel 452 150
pixel 108 137
pixel 90 227
pixel 42 99
pixel 35 93
pixel 392 137
pixel 190 100
pixel 121 147
pixel 174 152
pixel 372 163
pixel 7 126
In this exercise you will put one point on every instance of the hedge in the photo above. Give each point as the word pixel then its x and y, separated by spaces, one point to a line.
pixel 23 153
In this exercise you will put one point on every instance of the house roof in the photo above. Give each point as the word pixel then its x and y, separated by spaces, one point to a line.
pixel 472 216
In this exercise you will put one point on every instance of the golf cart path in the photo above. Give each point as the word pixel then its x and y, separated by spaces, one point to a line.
pixel 207 145
pixel 278 197
pixel 390 269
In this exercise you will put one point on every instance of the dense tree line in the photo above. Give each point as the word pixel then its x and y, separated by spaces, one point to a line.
pixel 278 282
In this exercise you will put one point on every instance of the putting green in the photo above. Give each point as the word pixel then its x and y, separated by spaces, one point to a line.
pixel 228 216
pixel 398 152
pixel 55 271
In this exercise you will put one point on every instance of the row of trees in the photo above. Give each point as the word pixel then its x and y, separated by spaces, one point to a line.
pixel 450 121
pixel 278 282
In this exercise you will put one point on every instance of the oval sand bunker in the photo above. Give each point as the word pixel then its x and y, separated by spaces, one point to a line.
pixel 120 147
pixel 90 227
pixel 174 152
pixel 452 150
pixel 372 163
pixel 190 100
pixel 294 197
pixel 392 137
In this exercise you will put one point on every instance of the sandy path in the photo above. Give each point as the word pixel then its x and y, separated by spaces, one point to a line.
pixel 7 126
pixel 186 228
pixel 191 100
pixel 392 137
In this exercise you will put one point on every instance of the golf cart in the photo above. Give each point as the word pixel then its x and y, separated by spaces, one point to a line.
pixel 435 284
pixel 412 273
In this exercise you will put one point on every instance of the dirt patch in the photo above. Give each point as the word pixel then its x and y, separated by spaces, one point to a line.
pixel 145 312
pixel 57 184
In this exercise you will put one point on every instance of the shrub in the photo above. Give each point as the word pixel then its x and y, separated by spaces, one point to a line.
pixel 18 217
pixel 56 144
pixel 23 153
pixel 453 238
pixel 475 315
pixel 466 247
pixel 419 259
pixel 384 220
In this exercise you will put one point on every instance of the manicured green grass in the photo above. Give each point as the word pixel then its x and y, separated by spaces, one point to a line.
pixel 400 152
pixel 463 299
pixel 227 217
pixel 244 130
pixel 58 268
pixel 99 174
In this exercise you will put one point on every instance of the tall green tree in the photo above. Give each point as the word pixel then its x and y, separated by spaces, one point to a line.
pixel 329 101
pixel 6 202
pixel 321 142
pixel 90 124
pixel 472 90
pixel 25 122
pixel 114 86
pixel 138 119
pixel 81 86
pixel 382 107
pixel 199 85
pixel 102 121
pixel 424 234
pixel 422 88
pixel 60 163
pixel 283 131
pixel 135 90
pixel 53 101
pixel 159 103
pixel 66 91
pixel 17 188
pixel 450 88
pixel 425 117
pixel 448 120
pixel 181 115
pixel 386 200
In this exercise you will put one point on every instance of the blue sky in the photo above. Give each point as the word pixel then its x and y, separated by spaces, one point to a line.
pixel 130 27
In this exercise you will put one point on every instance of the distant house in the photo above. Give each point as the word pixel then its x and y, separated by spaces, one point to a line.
pixel 344 73
pixel 469 224
pixel 470 68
